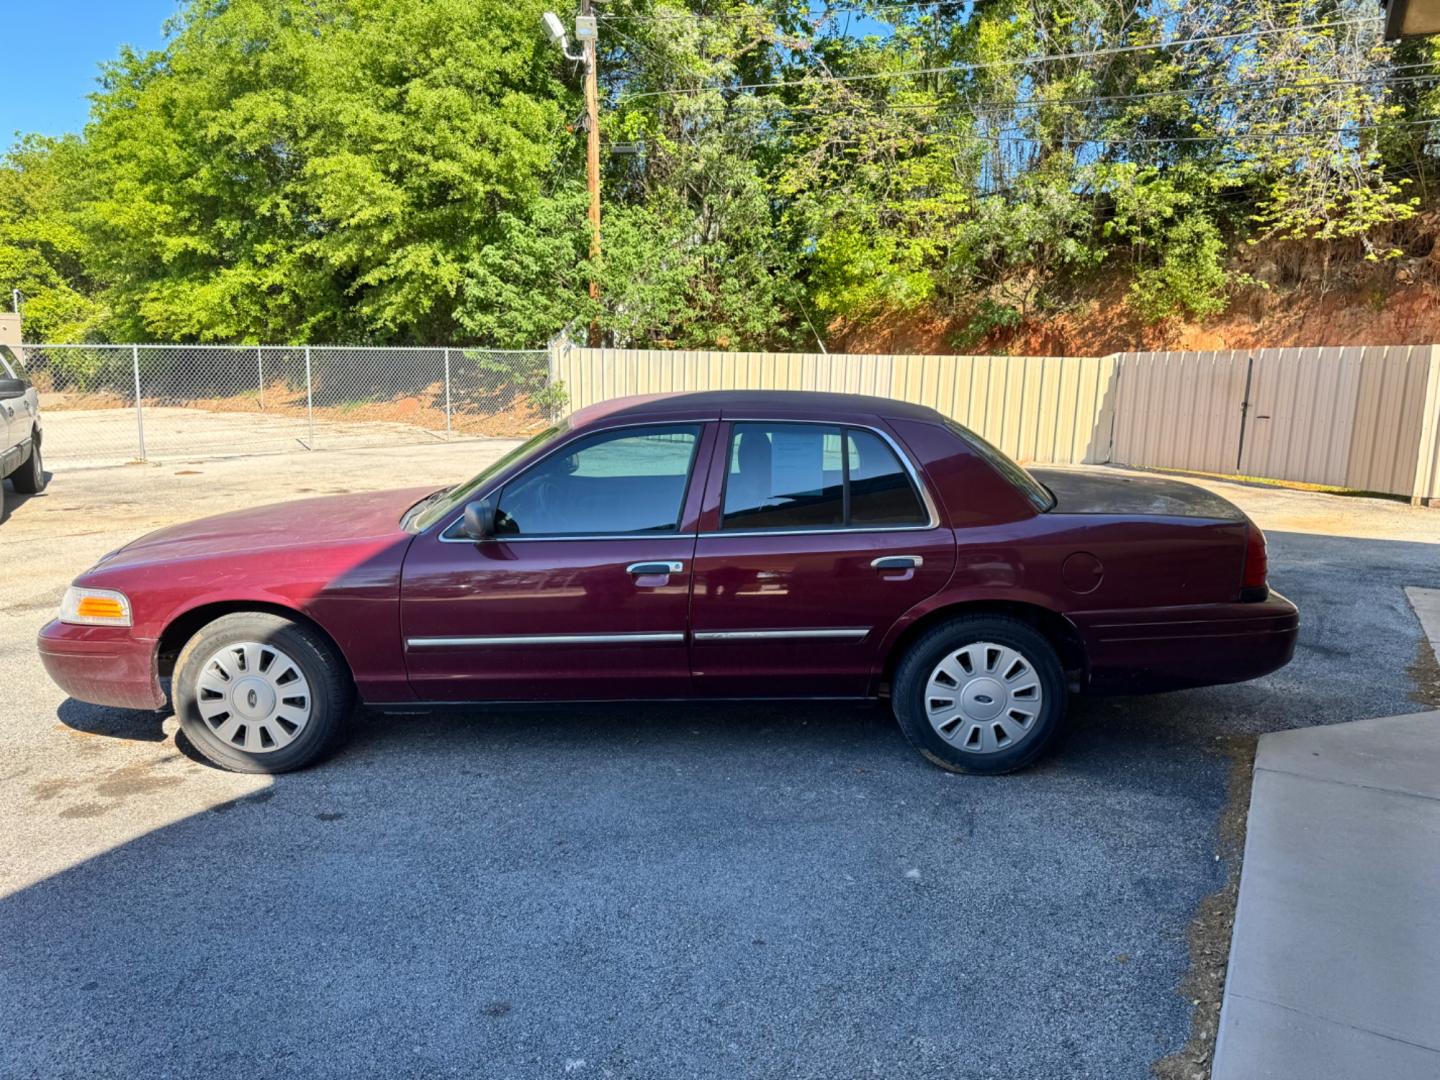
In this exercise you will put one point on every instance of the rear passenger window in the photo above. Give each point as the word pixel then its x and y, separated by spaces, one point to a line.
pixel 784 476
pixel 880 489
pixel 796 476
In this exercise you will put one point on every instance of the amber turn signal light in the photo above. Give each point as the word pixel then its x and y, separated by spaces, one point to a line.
pixel 94 607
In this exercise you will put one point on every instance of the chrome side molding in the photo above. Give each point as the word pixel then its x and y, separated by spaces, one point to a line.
pixel 545 639
pixel 821 633
pixel 835 633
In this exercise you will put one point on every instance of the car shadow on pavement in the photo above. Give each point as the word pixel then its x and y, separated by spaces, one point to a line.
pixel 114 723
pixel 129 724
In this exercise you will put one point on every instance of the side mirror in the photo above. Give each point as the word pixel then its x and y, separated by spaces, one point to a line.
pixel 11 388
pixel 480 518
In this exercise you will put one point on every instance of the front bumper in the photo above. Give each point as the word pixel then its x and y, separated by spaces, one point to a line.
pixel 104 665
pixel 1175 648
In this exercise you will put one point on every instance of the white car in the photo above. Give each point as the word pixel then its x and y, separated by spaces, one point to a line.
pixel 19 429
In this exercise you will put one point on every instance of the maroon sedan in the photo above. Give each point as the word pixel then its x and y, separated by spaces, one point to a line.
pixel 714 545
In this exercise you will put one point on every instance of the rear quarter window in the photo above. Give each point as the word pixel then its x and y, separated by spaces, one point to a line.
pixel 1037 493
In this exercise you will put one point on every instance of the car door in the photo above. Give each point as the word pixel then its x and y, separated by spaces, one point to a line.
pixel 582 594
pixel 807 556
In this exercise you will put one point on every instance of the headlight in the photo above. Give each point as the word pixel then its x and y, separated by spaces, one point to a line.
pixel 94 607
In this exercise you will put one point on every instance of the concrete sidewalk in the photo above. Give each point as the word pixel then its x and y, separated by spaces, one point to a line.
pixel 1335 957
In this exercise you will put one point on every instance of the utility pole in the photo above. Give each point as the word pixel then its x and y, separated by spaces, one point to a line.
pixel 586 33
pixel 585 30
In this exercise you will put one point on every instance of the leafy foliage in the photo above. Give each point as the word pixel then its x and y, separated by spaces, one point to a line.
pixel 412 170
pixel 1191 277
pixel 43 249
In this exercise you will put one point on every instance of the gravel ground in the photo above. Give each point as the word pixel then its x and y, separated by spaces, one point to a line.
pixel 678 891
pixel 88 438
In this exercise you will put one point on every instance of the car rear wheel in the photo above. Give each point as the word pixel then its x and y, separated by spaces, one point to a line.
pixel 258 693
pixel 981 694
pixel 29 479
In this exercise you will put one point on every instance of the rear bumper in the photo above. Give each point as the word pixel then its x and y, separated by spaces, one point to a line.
pixel 1152 649
pixel 103 665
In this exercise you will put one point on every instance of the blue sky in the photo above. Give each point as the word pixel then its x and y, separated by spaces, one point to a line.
pixel 53 50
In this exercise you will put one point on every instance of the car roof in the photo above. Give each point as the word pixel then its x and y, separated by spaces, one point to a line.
pixel 739 404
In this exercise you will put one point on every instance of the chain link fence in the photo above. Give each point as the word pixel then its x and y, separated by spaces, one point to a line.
pixel 112 404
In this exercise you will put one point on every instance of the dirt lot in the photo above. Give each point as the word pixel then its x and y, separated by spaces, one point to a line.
pixel 87 438
pixel 629 891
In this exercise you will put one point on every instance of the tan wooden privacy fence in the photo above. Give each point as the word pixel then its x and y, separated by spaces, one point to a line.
pixel 1035 408
pixel 1366 418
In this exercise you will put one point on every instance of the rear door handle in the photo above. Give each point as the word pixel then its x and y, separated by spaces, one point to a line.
pixel 898 562
pixel 639 568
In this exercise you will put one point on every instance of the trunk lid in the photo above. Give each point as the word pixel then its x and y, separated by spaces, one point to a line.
pixel 1101 491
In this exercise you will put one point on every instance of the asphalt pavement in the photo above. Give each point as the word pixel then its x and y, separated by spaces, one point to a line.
pixel 630 891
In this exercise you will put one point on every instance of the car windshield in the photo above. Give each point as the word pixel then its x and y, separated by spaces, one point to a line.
pixel 441 504
pixel 1032 489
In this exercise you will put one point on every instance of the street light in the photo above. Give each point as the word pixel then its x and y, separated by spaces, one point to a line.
pixel 556 29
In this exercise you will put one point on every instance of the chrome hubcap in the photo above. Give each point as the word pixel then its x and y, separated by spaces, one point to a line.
pixel 984 698
pixel 254 697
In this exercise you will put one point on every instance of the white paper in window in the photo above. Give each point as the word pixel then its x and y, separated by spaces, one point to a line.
pixel 796 462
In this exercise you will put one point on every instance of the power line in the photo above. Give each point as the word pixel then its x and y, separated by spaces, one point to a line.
pixel 1129 140
pixel 808 116
pixel 825 9
pixel 1380 78
pixel 1025 61
pixel 644 50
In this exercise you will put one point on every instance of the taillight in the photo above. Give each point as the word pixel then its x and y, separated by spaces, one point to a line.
pixel 1253 585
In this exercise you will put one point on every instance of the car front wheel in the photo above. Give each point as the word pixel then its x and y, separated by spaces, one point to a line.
pixel 982 694
pixel 258 693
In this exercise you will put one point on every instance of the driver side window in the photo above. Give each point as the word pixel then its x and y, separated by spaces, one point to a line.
pixel 620 482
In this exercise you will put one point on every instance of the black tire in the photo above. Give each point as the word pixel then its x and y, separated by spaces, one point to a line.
pixel 331 692
pixel 949 639
pixel 29 479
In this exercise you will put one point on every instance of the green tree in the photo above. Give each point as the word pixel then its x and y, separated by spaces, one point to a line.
pixel 318 169
pixel 44 251
pixel 412 170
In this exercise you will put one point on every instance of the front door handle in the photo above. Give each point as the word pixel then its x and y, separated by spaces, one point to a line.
pixel 898 562
pixel 642 568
